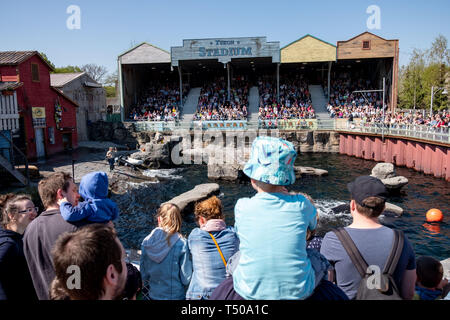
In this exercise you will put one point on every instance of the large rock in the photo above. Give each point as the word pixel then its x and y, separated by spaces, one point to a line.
pixel 154 155
pixel 228 172
pixel 386 173
pixel 383 170
pixel 446 266
pixel 395 183
pixel 187 200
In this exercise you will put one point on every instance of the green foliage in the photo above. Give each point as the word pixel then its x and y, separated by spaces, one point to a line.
pixel 425 70
pixel 68 69
pixel 44 56
pixel 110 91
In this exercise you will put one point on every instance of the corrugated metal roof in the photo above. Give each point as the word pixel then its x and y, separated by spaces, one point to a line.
pixel 60 79
pixel 14 57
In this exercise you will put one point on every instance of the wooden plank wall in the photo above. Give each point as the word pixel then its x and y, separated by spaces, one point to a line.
pixel 9 112
pixel 379 48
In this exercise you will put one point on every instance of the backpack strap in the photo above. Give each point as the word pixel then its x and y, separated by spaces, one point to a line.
pixel 352 251
pixel 396 252
pixel 218 249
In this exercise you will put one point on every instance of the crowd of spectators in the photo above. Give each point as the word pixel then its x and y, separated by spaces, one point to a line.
pixel 342 94
pixel 71 251
pixel 213 102
pixel 368 107
pixel 159 103
pixel 369 114
pixel 295 101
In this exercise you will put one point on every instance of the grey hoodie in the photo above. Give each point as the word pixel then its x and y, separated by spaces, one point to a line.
pixel 156 246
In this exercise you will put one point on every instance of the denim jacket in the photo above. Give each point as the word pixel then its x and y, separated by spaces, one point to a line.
pixel 208 267
pixel 167 269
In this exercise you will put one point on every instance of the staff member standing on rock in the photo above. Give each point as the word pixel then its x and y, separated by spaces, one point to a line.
pixel 110 156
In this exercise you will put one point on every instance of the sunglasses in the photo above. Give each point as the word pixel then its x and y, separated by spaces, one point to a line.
pixel 29 210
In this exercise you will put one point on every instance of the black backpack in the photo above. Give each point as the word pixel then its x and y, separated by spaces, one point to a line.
pixel 387 288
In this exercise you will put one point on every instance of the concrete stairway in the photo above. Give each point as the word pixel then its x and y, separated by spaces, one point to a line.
pixel 190 105
pixel 253 101
pixel 319 102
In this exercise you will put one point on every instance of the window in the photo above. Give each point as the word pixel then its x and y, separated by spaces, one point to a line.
pixel 366 45
pixel 34 72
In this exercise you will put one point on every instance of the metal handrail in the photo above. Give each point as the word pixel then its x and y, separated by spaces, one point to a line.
pixel 423 132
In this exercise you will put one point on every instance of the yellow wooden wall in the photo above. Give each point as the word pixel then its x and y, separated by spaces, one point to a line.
pixel 308 49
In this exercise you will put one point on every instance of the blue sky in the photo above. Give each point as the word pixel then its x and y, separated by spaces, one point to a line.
pixel 108 28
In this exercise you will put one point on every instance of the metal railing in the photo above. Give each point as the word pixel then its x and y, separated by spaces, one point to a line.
pixel 423 132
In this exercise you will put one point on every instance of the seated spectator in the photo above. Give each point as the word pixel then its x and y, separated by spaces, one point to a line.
pixel 99 258
pixel 16 213
pixel 166 264
pixel 211 245
pixel 272 227
pixel 96 206
pixel 373 240
pixel 430 283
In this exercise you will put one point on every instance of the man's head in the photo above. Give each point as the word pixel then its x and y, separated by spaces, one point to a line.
pixel 429 272
pixel 369 195
pixel 96 253
pixel 57 186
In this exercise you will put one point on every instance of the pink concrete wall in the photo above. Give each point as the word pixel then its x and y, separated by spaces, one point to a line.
pixel 423 157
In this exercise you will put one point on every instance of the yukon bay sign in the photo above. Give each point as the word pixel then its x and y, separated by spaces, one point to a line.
pixel 225 49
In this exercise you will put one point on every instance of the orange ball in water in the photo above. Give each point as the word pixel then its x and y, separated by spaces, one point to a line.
pixel 434 215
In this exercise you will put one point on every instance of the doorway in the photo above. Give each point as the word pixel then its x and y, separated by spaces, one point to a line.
pixel 40 144
pixel 67 141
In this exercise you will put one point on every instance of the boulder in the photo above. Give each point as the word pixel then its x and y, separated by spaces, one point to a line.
pixel 187 200
pixel 383 170
pixel 120 134
pixel 154 155
pixel 395 183
pixel 229 172
pixel 446 266
pixel 386 173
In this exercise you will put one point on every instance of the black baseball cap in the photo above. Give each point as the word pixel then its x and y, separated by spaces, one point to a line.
pixel 364 187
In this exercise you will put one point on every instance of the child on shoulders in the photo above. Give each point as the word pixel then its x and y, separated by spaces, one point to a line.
pixel 96 207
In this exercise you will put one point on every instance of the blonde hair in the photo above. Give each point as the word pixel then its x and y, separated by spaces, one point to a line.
pixel 170 219
pixel 210 208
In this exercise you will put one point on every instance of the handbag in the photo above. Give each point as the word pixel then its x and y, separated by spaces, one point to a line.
pixel 218 249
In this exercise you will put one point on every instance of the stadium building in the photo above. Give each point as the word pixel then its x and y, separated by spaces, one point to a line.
pixel 366 57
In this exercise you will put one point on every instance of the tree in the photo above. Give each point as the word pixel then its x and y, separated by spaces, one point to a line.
pixel 111 79
pixel 95 71
pixel 68 69
pixel 426 69
pixel 44 56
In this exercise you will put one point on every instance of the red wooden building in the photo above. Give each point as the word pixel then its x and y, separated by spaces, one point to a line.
pixel 48 122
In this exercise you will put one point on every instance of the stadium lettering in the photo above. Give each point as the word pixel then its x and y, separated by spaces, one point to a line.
pixel 237 51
